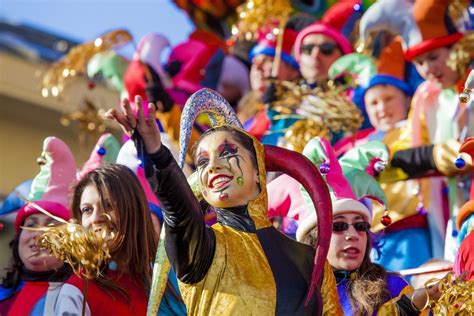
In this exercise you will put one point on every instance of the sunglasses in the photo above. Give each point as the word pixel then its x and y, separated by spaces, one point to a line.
pixel 325 48
pixel 340 227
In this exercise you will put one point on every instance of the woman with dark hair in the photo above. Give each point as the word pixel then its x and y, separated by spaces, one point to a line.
pixel 111 197
pixel 364 288
pixel 241 265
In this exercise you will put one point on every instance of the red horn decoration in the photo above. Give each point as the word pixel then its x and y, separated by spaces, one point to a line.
pixel 305 172
pixel 468 148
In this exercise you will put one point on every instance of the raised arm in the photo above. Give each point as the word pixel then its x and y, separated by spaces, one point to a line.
pixel 189 243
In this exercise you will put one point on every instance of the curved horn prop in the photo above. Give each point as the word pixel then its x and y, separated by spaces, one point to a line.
pixel 276 159
pixel 205 100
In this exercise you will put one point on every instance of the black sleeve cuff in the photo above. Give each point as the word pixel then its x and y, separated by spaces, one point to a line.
pixel 415 161
pixel 405 307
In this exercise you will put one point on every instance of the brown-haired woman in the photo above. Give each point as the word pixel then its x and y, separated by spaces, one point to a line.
pixel 112 197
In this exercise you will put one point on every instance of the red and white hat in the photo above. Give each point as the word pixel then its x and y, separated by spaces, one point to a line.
pixel 337 23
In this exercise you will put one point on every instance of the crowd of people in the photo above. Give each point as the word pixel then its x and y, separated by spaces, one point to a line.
pixel 225 214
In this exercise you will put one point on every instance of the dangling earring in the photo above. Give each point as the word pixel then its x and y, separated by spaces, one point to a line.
pixel 113 265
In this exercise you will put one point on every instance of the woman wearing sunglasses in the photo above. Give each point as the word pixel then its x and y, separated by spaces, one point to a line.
pixel 320 44
pixel 364 288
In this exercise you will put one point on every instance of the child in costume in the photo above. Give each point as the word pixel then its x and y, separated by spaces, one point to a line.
pixel 436 121
pixel 386 97
pixel 241 265
pixel 363 287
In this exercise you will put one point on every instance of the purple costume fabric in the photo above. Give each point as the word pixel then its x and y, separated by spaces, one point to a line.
pixel 395 284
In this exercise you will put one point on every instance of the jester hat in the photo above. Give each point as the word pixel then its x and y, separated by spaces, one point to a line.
pixel 267 43
pixel 111 66
pixel 104 153
pixel 269 158
pixel 147 54
pixel 468 208
pixel 51 187
pixel 424 25
pixel 350 179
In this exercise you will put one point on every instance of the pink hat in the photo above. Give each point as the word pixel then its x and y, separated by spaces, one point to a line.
pixel 105 152
pixel 337 23
pixel 57 174
pixel 127 156
pixel 52 207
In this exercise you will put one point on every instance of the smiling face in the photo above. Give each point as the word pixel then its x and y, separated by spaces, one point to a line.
pixel 386 106
pixel 227 173
pixel 33 258
pixel 347 248
pixel 93 211
pixel 433 66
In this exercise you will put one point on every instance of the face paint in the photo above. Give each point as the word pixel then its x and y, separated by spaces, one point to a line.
pixel 222 165
pixel 223 196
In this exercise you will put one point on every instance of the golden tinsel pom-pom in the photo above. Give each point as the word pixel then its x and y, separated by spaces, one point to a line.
pixel 300 133
pixel 85 250
pixel 75 62
pixel 255 15
pixel 457 297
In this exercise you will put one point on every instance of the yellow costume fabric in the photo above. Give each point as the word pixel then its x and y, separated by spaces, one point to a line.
pixel 240 280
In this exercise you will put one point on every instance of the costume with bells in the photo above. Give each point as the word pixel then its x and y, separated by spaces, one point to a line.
pixel 408 200
pixel 241 265
pixel 436 117
pixel 352 186
pixel 49 190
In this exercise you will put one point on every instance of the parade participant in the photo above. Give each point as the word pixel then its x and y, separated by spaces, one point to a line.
pixel 364 288
pixel 42 273
pixel 112 197
pixel 262 57
pixel 320 44
pixel 386 97
pixel 241 265
pixel 253 109
pixel 436 117
pixel 8 212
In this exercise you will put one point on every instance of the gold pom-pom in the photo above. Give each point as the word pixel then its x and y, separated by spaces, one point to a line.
pixel 85 250
pixel 320 111
pixel 255 15
pixel 457 297
pixel 75 62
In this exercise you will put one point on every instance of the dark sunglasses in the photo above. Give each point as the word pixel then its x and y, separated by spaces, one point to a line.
pixel 325 48
pixel 340 227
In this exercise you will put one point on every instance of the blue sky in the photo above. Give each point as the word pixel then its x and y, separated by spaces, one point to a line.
pixel 84 20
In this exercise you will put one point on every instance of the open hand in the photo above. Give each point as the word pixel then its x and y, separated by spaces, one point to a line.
pixel 130 121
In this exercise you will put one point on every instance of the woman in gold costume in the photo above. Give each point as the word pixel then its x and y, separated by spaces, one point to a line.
pixel 241 265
